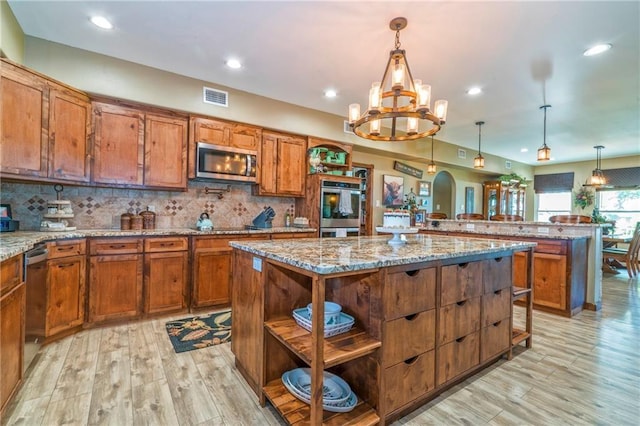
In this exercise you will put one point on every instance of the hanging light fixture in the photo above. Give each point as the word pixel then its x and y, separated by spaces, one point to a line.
pixel 431 167
pixel 478 162
pixel 398 98
pixel 597 177
pixel 544 152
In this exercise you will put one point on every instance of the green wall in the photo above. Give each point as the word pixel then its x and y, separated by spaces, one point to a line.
pixel 11 35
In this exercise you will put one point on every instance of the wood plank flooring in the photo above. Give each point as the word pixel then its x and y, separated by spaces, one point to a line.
pixel 581 370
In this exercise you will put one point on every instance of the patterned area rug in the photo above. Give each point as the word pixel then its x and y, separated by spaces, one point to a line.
pixel 200 332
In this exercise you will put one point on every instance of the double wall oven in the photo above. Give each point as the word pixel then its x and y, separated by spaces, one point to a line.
pixel 340 208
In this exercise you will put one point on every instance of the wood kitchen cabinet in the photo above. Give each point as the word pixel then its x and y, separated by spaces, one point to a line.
pixel 282 165
pixel 135 147
pixel 501 198
pixel 166 268
pixel 56 290
pixel 218 132
pixel 45 127
pixel 12 317
pixel 115 279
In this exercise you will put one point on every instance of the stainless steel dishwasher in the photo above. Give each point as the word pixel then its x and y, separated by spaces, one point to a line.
pixel 36 276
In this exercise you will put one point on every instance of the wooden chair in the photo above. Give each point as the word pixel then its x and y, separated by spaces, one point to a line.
pixel 507 218
pixel 470 216
pixel 630 257
pixel 435 216
pixel 570 218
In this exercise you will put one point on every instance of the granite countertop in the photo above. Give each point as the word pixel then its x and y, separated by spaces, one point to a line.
pixel 14 243
pixel 515 232
pixel 333 255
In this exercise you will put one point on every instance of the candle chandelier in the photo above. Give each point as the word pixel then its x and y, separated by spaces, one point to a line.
pixel 399 106
pixel 478 162
pixel 597 176
pixel 544 152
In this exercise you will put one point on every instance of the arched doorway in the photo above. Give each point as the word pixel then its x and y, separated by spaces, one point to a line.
pixel 444 194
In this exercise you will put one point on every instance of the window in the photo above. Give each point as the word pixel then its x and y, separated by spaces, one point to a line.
pixel 553 203
pixel 621 206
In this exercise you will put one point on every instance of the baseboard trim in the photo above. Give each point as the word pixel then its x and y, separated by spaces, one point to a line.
pixel 592 306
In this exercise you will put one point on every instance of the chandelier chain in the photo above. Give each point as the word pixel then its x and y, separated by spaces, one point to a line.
pixel 397 37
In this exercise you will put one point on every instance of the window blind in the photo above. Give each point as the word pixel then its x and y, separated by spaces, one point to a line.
pixel 622 178
pixel 555 182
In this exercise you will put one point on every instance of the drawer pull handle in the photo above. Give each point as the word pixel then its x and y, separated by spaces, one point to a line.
pixel 497 292
pixel 411 360
pixel 461 339
pixel 495 324
pixel 463 265
pixel 411 317
pixel 67 248
pixel 166 244
pixel 117 246
pixel 413 273
pixel 461 303
pixel 65 265
pixel 498 259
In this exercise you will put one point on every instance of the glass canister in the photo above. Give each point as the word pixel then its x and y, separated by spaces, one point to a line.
pixel 148 219
pixel 125 221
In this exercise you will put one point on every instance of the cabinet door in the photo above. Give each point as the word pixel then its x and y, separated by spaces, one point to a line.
pixel 290 171
pixel 118 145
pixel 165 152
pixel 550 280
pixel 520 262
pixel 11 342
pixel 115 287
pixel 245 137
pixel 24 105
pixel 210 131
pixel 69 130
pixel 165 281
pixel 268 159
pixel 66 293
pixel 211 277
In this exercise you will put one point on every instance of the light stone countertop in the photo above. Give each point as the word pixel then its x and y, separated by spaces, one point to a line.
pixel 14 243
pixel 333 255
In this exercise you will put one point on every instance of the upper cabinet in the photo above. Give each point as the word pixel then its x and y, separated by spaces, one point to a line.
pixel 45 127
pixel 217 132
pixel 282 165
pixel 502 198
pixel 334 157
pixel 135 147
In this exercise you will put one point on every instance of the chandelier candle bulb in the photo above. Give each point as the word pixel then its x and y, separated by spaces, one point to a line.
pixel 398 76
pixel 375 98
pixel 441 110
pixel 374 127
pixel 424 97
pixel 354 112
pixel 412 125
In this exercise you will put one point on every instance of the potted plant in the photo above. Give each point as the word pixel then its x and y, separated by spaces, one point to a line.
pixel 596 217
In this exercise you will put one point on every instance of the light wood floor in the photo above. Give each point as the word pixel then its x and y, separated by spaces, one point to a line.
pixel 584 370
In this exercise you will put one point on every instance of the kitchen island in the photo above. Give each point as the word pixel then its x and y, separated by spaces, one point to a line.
pixel 428 314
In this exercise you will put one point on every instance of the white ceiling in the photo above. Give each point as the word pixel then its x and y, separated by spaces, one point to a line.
pixel 523 55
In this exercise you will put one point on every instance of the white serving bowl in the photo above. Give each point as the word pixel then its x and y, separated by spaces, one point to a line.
pixel 331 312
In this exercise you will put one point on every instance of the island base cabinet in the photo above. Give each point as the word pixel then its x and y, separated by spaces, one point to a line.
pixel 115 287
pixel 408 380
pixel 496 339
pixel 400 336
pixel 12 307
pixel 458 356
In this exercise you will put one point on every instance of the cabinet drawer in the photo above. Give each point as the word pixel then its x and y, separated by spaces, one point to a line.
pixel 409 292
pixel 10 273
pixel 459 319
pixel 115 246
pixel 551 247
pixel 496 306
pixel 495 339
pixel 59 249
pixel 408 380
pixel 409 336
pixel 461 282
pixel 159 245
pixel 496 274
pixel 458 356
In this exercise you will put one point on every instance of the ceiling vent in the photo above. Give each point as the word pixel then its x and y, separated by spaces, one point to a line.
pixel 215 97
pixel 347 127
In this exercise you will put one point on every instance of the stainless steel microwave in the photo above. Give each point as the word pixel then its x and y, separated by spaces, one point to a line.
pixel 227 163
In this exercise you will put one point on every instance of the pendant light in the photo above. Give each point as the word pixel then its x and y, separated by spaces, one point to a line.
pixel 544 152
pixel 431 167
pixel 597 178
pixel 478 162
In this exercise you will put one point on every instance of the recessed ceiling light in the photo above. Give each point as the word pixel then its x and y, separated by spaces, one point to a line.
pixel 474 91
pixel 102 22
pixel 524 149
pixel 234 63
pixel 597 49
pixel 330 93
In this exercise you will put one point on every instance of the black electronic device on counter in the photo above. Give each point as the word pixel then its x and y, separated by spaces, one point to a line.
pixel 7 224
pixel 263 220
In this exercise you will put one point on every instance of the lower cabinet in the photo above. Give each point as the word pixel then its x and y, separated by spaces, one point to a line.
pixel 166 268
pixel 115 279
pixel 56 290
pixel 12 317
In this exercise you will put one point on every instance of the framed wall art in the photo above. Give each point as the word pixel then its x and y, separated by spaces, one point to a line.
pixel 392 190
pixel 424 189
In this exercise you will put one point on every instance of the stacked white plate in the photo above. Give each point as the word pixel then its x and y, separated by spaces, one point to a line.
pixel 342 325
pixel 336 393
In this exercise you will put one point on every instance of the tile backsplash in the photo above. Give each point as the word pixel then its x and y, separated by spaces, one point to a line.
pixel 100 208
